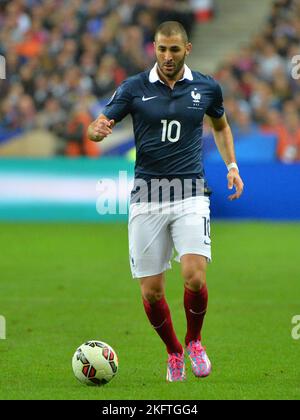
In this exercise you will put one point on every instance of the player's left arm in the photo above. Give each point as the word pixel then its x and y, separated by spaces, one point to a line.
pixel 224 141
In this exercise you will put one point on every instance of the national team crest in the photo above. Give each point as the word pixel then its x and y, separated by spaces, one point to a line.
pixel 196 96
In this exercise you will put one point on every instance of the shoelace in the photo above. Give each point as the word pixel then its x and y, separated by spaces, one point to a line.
pixel 197 351
pixel 175 362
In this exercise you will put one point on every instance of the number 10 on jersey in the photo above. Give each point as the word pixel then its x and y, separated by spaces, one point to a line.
pixel 171 130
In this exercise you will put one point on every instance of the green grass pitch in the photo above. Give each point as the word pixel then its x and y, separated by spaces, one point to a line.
pixel 61 285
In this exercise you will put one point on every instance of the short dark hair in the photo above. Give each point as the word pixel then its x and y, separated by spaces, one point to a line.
pixel 170 28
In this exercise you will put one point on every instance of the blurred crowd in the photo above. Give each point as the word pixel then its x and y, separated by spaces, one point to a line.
pixel 63 55
pixel 261 82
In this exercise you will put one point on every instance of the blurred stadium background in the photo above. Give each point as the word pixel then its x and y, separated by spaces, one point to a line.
pixel 64 59
pixel 63 283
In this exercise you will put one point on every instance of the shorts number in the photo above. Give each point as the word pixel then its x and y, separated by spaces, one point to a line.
pixel 169 132
pixel 206 226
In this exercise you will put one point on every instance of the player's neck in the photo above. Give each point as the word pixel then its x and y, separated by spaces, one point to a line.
pixel 171 81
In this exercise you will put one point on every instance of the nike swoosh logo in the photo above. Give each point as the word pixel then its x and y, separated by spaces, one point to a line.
pixel 206 243
pixel 148 99
pixel 197 313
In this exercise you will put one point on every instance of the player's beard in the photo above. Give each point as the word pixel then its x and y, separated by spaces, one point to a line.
pixel 175 69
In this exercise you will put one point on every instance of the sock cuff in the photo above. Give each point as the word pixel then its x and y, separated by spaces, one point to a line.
pixel 156 303
pixel 196 293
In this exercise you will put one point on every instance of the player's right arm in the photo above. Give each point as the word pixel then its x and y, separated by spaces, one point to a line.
pixel 117 108
pixel 100 128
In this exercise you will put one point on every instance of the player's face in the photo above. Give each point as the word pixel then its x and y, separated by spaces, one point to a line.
pixel 170 54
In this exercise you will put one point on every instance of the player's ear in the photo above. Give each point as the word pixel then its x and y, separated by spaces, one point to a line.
pixel 189 48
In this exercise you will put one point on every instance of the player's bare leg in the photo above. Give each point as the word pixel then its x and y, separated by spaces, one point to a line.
pixel 195 304
pixel 157 310
pixel 153 287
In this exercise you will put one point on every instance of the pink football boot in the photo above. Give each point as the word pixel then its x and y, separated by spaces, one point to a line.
pixel 201 365
pixel 176 368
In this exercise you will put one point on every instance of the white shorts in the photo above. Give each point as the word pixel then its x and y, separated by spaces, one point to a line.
pixel 156 230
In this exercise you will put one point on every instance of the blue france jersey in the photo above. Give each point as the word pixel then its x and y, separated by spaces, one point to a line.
pixel 167 123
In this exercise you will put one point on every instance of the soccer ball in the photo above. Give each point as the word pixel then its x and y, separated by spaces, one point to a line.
pixel 95 363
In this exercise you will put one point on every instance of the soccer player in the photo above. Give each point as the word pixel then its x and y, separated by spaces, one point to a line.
pixel 167 105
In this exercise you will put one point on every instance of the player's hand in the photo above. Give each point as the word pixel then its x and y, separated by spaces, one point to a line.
pixel 102 127
pixel 234 180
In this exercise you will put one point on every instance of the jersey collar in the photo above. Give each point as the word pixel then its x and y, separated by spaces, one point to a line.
pixel 154 77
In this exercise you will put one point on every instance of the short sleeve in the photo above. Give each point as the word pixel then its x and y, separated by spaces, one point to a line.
pixel 120 103
pixel 216 109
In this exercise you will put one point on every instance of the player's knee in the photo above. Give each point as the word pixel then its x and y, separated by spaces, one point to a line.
pixel 152 295
pixel 194 279
pixel 152 288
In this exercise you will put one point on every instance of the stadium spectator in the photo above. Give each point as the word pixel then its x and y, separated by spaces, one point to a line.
pixel 204 9
pixel 288 148
pixel 78 143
